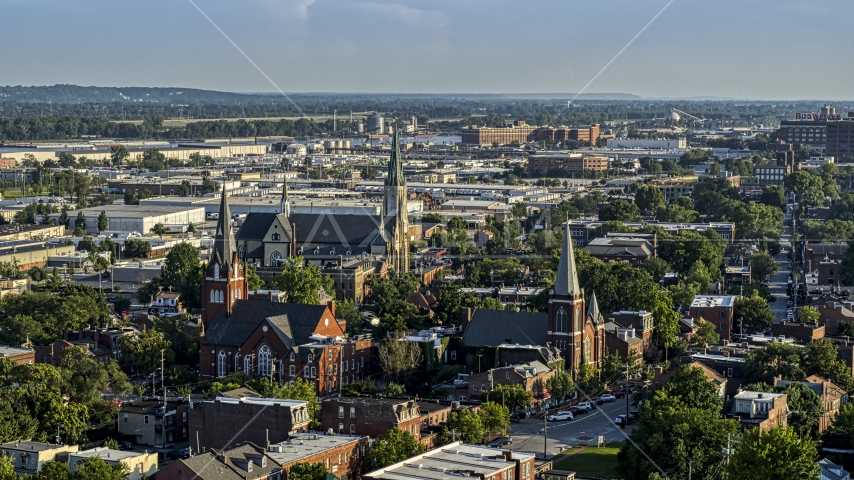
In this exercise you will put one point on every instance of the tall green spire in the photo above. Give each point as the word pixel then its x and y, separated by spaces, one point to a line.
pixel 395 168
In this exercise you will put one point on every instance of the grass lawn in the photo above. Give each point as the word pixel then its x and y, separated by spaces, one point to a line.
pixel 592 462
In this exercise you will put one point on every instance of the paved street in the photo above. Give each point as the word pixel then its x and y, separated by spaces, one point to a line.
pixel 779 282
pixel 528 434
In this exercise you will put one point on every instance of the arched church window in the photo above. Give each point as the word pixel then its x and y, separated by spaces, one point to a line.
pixel 588 357
pixel 561 320
pixel 275 258
pixel 264 361
pixel 220 370
pixel 276 237
pixel 216 271
pixel 247 365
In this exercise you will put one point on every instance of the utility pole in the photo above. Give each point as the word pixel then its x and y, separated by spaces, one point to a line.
pixel 545 434
pixel 626 421
pixel 163 384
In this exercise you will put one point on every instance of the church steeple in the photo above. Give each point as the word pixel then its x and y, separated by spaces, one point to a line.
pixel 224 244
pixel 395 168
pixel 593 309
pixel 566 283
pixel 286 203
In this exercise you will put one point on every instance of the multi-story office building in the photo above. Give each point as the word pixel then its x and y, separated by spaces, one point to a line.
pixel 826 131
pixel 521 132
pixel 566 162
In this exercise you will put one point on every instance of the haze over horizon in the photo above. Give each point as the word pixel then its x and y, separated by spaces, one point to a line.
pixel 748 49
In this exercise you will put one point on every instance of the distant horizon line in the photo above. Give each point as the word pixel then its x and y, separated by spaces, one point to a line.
pixel 538 95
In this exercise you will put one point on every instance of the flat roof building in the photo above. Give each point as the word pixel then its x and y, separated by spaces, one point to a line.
pixel 457 459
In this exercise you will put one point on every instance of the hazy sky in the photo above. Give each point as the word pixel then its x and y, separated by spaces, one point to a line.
pixel 762 49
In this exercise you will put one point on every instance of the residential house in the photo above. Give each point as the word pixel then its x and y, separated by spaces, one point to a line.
pixel 663 377
pixel 531 376
pixel 166 302
pixel 802 332
pixel 831 471
pixel 832 396
pixel 28 456
pixel 761 410
pixel 151 423
pixel 623 341
pixel 634 251
pixel 19 355
pixel 370 416
pixel 140 465
pixel 717 309
pixel 833 313
pixel 456 459
pixel 246 419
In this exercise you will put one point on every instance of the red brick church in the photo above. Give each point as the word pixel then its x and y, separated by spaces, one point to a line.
pixel 280 341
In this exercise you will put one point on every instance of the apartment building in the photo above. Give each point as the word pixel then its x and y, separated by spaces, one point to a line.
pixel 370 416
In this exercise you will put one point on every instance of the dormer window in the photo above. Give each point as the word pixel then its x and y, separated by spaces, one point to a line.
pixel 310 357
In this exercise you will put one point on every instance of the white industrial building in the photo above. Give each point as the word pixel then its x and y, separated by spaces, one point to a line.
pixel 136 218
pixel 639 143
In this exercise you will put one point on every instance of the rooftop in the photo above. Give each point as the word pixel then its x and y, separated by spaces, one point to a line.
pixel 303 445
pixel 268 402
pixel 713 301
pixel 107 453
pixel 450 462
pixel 30 445
pixel 7 351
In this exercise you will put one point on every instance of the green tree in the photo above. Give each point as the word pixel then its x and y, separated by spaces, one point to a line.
pixel 252 277
pixel 619 210
pixel 510 395
pixel 755 313
pixel 95 468
pixel 699 274
pixel 142 352
pixel 302 281
pixel 391 447
pixel 805 408
pixel 467 426
pixel 656 267
pixel 706 333
pixel 307 471
pixel 649 198
pixel 136 248
pixel 7 468
pixel 808 188
pixel 822 358
pixel 763 364
pixel 103 222
pixel 159 229
pixel 841 431
pixel 53 471
pixel 494 417
pixel 762 264
pixel 774 196
pixel 81 221
pixel 183 272
pixel 560 385
pixel 349 311
pixel 779 453
pixel 393 390
pixel 118 154
pixel 808 314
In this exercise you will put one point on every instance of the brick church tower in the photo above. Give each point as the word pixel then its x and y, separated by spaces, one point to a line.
pixel 225 279
pixel 579 334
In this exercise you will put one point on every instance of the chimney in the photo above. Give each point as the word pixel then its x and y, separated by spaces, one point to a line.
pixel 465 316
pixel 331 306
pixel 508 455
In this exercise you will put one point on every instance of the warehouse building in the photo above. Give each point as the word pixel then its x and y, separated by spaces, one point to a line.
pixel 133 218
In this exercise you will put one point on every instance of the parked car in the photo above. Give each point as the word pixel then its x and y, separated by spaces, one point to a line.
pixel 790 304
pixel 608 398
pixel 584 406
pixel 619 394
pixel 560 416
pixel 500 442
pixel 633 416
pixel 816 291
pixel 620 419
pixel 125 446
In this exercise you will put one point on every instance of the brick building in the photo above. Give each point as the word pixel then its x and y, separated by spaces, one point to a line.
pixel 518 132
pixel 458 459
pixel 341 454
pixel 717 309
pixel 759 410
pixel 634 251
pixel 833 313
pixel 19 355
pixel 623 341
pixel 152 424
pixel 370 416
pixel 566 163
pixel 257 420
pixel 832 396
pixel 802 332
pixel 532 377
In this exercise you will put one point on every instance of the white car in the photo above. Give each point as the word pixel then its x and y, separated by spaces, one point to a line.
pixel 559 416
pixel 608 398
pixel 586 406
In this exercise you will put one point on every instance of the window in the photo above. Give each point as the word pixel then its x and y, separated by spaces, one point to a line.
pixel 340 430
pixel 247 365
pixel 475 386
pixel 264 361
pixel 305 371
pixel 276 237
pixel 330 354
pixel 145 419
pixel 561 320
pixel 310 357
pixel 313 372
pixel 728 372
pixel 221 364
pixel 184 416
pixel 216 271
pixel 722 314
pixel 352 412
pixel 722 326
pixel 353 349
pixel 340 412
pixel 453 354
pixel 588 356
pixel 340 456
pixel 236 363
pixel 292 370
pixel 292 356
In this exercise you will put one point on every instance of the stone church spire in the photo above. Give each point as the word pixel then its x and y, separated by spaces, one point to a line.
pixel 224 244
pixel 394 211
pixel 566 283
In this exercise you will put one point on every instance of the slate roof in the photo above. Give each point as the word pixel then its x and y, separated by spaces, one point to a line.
pixel 293 322
pixel 355 232
pixel 612 328
pixel 619 247
pixel 256 225
pixel 566 283
pixel 829 470
pixel 495 327
pixel 208 466
pixel 593 310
